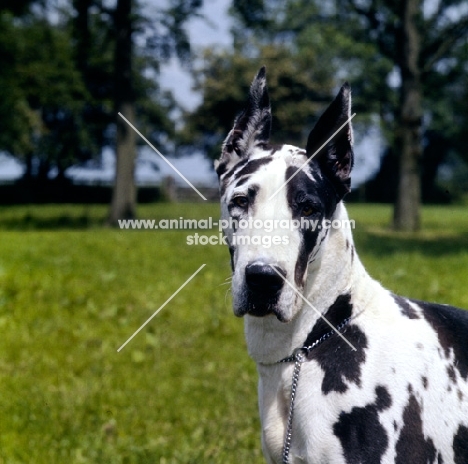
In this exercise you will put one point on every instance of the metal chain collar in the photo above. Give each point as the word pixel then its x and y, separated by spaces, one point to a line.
pixel 299 356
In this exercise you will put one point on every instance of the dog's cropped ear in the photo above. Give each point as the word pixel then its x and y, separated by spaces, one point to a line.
pixel 336 158
pixel 251 128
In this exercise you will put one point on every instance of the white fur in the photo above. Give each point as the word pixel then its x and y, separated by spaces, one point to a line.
pixel 393 360
pixel 402 353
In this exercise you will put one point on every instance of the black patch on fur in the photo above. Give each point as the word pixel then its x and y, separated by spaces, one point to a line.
pixel 339 362
pixel 231 255
pixel 451 373
pixel 460 445
pixel 405 307
pixel 343 363
pixel 451 326
pixel 321 195
pixel 252 193
pixel 242 181
pixel 253 166
pixel 362 436
pixel 230 173
pixel 412 446
pixel 424 382
pixel 222 168
pixel 340 310
pixel 249 168
pixel 273 148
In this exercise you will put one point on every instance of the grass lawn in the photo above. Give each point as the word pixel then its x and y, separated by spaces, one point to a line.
pixel 183 390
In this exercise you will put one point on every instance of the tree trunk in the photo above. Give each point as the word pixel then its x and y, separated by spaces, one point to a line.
pixel 123 205
pixel 409 124
pixel 82 36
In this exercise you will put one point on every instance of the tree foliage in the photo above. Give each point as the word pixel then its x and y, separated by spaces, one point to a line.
pixel 308 57
pixel 42 92
pixel 57 81
pixel 363 42
pixel 297 92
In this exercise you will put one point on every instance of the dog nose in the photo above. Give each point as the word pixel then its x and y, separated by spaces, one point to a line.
pixel 264 278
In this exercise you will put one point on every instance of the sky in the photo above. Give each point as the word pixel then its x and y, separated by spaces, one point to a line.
pixel 211 31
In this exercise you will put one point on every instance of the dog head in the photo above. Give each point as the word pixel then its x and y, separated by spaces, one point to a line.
pixel 275 224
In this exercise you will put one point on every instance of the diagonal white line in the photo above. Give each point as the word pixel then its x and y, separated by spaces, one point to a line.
pixel 160 154
pixel 316 310
pixel 307 162
pixel 164 304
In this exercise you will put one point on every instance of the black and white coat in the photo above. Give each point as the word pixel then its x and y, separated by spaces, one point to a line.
pixel 402 396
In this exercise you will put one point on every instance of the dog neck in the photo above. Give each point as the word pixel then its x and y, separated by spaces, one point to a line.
pixel 338 272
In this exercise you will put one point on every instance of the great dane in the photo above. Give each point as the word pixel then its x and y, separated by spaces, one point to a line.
pixel 348 371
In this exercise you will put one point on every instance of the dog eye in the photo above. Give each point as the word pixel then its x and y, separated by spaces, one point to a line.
pixel 240 201
pixel 307 210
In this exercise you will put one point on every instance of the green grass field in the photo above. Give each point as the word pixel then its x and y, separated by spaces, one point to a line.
pixel 183 390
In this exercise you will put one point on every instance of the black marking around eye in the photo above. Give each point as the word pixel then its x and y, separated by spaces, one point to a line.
pixel 322 195
pixel 237 211
pixel 252 191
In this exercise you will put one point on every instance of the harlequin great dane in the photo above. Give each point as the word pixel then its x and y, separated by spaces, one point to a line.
pixel 400 393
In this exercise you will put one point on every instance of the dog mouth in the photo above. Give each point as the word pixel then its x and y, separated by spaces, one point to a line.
pixel 258 306
pixel 263 308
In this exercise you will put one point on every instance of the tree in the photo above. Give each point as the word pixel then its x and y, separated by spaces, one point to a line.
pixel 409 125
pixel 418 45
pixel 169 38
pixel 302 76
pixel 405 63
pixel 58 80
pixel 41 94
pixel 124 195
pixel 17 7
pixel 15 113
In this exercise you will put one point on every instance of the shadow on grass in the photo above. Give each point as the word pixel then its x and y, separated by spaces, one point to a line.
pixel 432 243
pixel 28 222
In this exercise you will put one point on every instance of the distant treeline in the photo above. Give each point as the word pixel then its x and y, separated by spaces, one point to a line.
pixel 65 192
